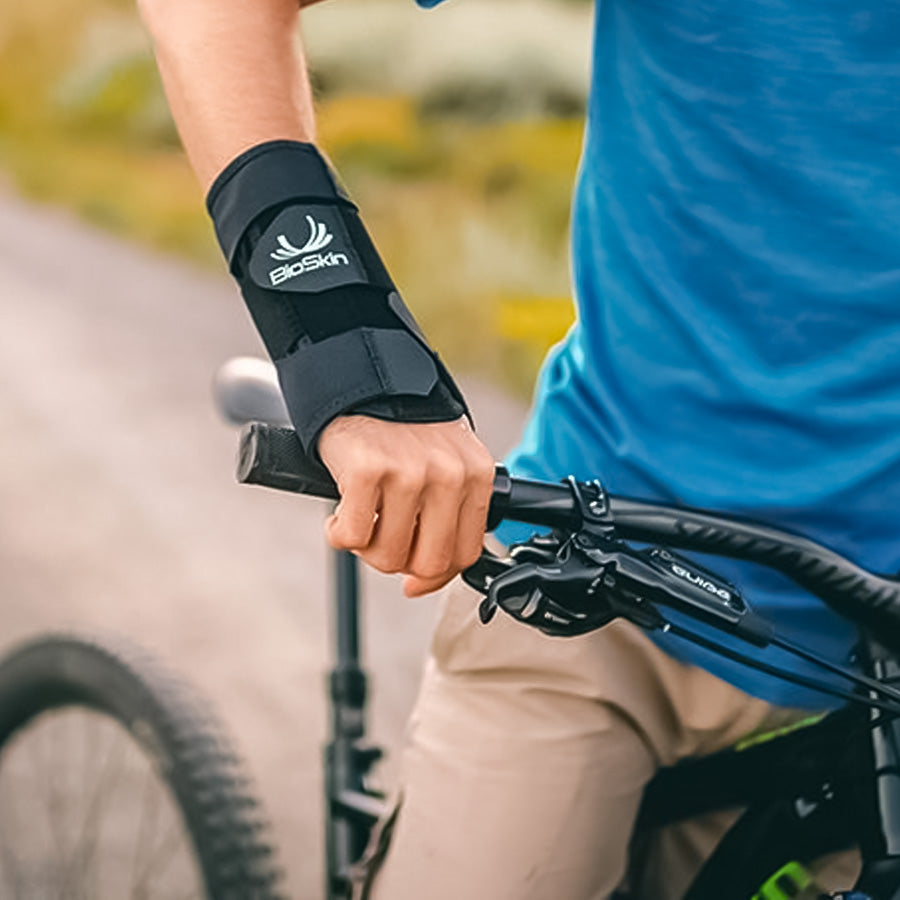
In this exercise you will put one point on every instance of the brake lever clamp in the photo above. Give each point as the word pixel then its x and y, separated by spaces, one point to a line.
pixel 593 506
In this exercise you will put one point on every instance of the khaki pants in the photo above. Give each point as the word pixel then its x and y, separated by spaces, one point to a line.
pixel 528 756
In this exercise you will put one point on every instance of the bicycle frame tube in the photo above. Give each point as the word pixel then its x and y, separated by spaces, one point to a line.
pixel 881 847
pixel 796 761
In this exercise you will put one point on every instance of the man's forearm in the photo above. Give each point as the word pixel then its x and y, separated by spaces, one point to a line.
pixel 234 74
pixel 354 369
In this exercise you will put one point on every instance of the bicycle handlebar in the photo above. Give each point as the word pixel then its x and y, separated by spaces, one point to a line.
pixel 273 457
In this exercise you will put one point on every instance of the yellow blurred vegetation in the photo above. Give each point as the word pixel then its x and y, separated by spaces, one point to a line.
pixel 471 215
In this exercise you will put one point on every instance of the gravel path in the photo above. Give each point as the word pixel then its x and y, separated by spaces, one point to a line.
pixel 118 509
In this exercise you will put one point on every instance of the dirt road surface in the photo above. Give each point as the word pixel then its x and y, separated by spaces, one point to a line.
pixel 119 512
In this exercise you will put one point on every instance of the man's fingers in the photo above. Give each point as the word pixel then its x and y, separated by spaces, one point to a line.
pixel 389 548
pixel 354 521
pixel 414 496
pixel 377 516
pixel 473 513
pixel 437 533
pixel 451 523
pixel 413 586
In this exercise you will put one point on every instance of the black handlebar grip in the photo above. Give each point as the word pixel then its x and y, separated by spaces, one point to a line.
pixel 272 456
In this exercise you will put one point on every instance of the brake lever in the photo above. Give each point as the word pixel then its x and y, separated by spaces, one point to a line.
pixel 481 575
pixel 563 597
pixel 485 569
pixel 516 591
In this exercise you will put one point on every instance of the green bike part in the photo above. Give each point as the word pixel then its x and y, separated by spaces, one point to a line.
pixel 755 739
pixel 790 882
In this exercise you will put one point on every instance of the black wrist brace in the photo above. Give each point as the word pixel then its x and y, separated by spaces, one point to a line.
pixel 334 324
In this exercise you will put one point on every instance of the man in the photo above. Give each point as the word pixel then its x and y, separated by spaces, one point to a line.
pixel 736 267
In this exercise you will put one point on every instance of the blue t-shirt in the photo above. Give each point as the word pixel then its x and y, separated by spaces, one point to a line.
pixel 736 260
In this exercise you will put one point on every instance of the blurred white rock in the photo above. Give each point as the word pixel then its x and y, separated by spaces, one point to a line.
pixel 519 55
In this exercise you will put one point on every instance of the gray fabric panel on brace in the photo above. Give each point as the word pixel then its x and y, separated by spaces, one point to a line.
pixel 405 366
pixel 322 380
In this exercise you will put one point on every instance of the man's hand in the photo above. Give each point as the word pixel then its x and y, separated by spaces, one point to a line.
pixel 414 497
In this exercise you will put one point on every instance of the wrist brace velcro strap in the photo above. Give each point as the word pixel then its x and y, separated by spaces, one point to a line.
pixel 341 337
pixel 267 175
pixel 347 369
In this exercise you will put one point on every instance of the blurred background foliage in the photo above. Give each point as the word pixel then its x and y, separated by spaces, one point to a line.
pixel 457 132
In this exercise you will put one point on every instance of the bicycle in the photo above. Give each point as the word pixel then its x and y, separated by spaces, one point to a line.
pixel 830 783
pixel 825 786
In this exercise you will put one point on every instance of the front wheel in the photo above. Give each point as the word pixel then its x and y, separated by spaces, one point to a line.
pixel 117 783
